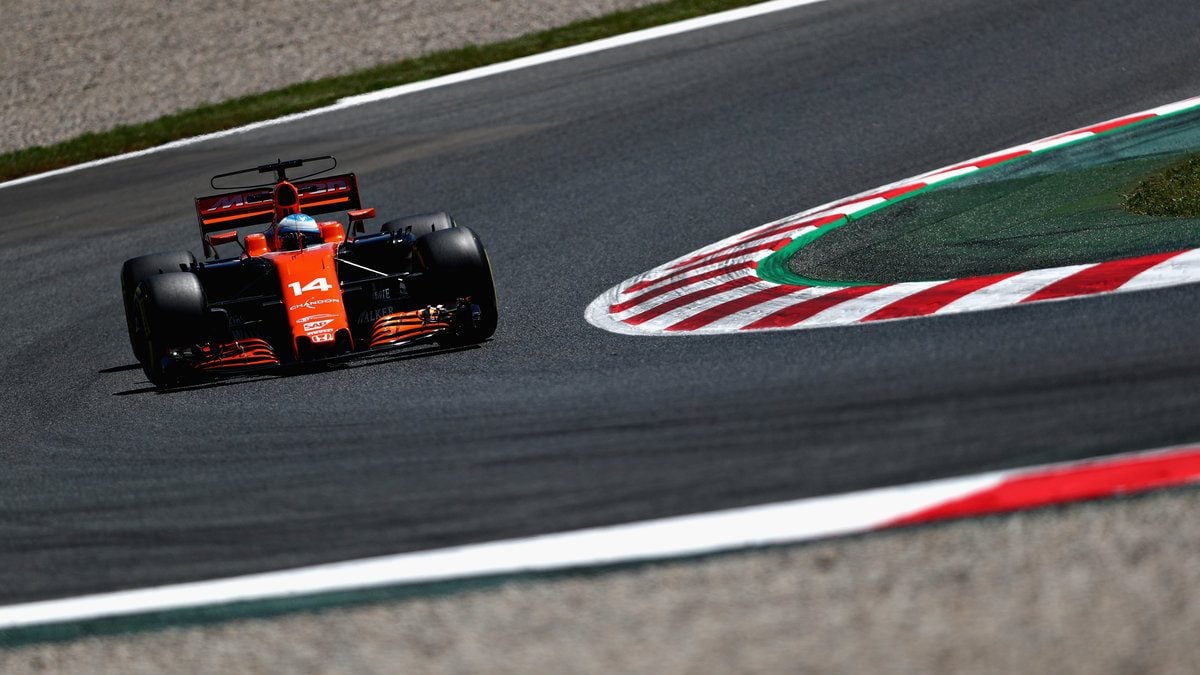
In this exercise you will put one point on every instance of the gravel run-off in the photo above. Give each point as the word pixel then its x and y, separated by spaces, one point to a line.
pixel 78 67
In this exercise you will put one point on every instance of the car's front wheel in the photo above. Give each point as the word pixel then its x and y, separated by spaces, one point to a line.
pixel 132 273
pixel 171 311
pixel 455 265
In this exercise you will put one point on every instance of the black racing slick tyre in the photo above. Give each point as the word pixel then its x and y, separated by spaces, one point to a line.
pixel 420 225
pixel 456 265
pixel 171 309
pixel 132 273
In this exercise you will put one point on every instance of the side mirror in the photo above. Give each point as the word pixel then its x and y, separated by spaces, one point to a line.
pixel 215 240
pixel 357 216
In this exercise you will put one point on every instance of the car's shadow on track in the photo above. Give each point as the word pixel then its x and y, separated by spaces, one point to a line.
pixel 120 369
pixel 259 376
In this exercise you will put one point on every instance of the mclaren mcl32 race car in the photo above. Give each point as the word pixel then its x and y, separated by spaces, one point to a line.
pixel 303 290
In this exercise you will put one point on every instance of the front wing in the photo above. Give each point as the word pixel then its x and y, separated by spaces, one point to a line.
pixel 389 332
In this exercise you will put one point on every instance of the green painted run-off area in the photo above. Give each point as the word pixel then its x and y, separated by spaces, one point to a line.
pixel 1062 206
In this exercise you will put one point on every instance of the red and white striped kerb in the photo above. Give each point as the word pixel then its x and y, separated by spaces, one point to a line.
pixel 717 289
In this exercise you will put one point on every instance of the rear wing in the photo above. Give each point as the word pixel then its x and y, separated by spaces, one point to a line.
pixel 256 206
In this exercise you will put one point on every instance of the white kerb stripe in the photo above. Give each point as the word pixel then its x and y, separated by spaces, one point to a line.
pixel 661 281
pixel 854 207
pixel 691 309
pixel 1055 142
pixel 749 315
pixel 1182 269
pixel 1176 107
pixel 863 306
pixel 1010 291
pixel 940 176
pixel 675 294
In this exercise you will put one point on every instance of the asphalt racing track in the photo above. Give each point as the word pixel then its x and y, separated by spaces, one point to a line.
pixel 580 174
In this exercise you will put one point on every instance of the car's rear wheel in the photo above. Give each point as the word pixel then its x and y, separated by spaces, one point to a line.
pixel 132 273
pixel 455 265
pixel 420 225
pixel 170 309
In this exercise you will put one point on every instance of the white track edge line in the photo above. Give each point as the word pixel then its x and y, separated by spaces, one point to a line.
pixel 699 534
pixel 644 35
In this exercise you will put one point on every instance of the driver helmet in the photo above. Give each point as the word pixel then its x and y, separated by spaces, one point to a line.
pixel 297 227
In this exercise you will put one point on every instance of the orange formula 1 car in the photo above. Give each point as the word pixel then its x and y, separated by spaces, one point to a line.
pixel 301 291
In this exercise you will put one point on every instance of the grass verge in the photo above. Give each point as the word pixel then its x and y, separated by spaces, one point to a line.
pixel 1173 192
pixel 309 95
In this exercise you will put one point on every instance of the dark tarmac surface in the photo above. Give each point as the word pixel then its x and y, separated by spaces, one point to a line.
pixel 577 175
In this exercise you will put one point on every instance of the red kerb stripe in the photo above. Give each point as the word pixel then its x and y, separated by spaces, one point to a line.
pixel 709 261
pixel 688 298
pixel 791 227
pixel 885 195
pixel 769 232
pixel 991 161
pixel 686 281
pixel 732 306
pixel 1100 278
pixel 1101 479
pixel 934 298
pixel 794 314
pixel 1101 128
pixel 1117 124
